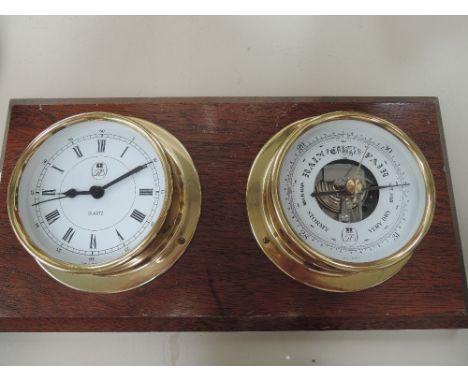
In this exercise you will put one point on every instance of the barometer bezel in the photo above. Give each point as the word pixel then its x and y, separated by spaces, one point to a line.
pixel 285 248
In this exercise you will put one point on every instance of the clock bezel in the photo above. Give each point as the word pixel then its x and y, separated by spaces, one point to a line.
pixel 169 245
pixel 12 194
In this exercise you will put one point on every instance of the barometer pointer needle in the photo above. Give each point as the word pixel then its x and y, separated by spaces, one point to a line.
pixel 371 188
pixel 96 191
pixel 360 162
pixel 362 159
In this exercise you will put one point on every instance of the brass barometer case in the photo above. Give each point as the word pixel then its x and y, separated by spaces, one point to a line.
pixel 318 230
pixel 118 154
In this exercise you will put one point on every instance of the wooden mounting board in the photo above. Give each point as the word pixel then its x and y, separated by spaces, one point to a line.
pixel 224 281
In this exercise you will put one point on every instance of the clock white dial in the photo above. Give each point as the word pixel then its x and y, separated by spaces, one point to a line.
pixel 92 192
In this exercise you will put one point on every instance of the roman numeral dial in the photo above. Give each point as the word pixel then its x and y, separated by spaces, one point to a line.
pixel 77 151
pixel 95 193
pixel 58 169
pixel 138 216
pixel 146 192
pixel 68 235
pixel 101 145
pixel 123 152
pixel 119 235
pixel 52 217
pixel 92 241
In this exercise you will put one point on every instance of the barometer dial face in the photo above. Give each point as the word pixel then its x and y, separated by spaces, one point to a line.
pixel 92 192
pixel 352 191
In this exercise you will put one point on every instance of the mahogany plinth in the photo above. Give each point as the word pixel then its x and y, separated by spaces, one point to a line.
pixel 224 281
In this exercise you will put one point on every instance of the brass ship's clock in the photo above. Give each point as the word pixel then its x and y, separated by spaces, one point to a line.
pixel 104 203
pixel 340 201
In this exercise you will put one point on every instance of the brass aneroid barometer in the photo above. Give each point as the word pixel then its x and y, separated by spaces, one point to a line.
pixel 103 202
pixel 340 201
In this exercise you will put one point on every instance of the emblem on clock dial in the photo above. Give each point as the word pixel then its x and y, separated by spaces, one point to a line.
pixel 340 201
pixel 92 196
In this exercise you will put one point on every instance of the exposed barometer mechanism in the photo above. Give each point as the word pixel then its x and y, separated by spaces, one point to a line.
pixel 340 201
pixel 104 203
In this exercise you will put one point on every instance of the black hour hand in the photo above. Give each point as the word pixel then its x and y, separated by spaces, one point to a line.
pixel 71 193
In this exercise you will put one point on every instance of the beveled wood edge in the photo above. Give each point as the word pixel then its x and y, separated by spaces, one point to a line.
pixel 453 207
pixel 5 138
pixel 225 324
pixel 222 99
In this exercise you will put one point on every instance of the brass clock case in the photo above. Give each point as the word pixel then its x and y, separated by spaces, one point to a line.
pixel 160 249
pixel 287 250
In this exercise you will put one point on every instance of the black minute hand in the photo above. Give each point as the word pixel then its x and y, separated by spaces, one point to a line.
pixel 126 175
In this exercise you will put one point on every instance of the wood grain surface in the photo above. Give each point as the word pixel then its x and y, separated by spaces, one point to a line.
pixel 224 281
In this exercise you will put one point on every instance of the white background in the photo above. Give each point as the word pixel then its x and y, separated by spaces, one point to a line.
pixel 47 57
